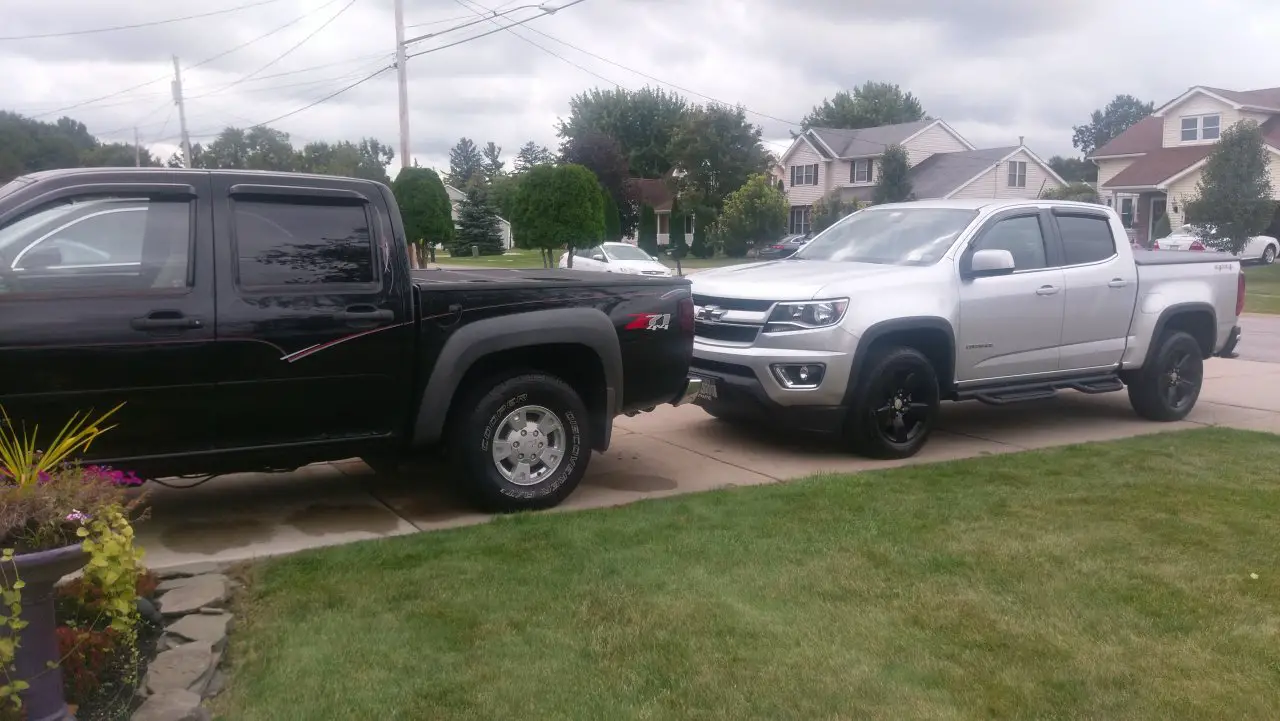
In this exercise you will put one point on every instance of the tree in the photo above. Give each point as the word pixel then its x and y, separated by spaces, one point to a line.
pixel 612 223
pixel 869 105
pixel 701 247
pixel 1104 125
pixel 493 163
pixel 532 154
pixel 1233 198
pixel 647 234
pixel 466 164
pixel 1079 192
pixel 755 213
pixel 1162 228
pixel 117 155
pixel 477 226
pixel 641 121
pixel 559 205
pixel 1074 170
pixel 602 155
pixel 830 209
pixel 717 149
pixel 425 208
pixel 367 159
pixel 502 193
pixel 894 183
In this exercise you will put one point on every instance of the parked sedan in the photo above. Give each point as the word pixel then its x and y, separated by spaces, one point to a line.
pixel 783 248
pixel 616 258
pixel 1261 248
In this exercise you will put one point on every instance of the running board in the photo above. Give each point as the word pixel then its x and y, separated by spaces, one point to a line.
pixel 1022 392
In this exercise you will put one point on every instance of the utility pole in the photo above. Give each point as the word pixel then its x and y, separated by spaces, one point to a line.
pixel 402 77
pixel 137 149
pixel 182 113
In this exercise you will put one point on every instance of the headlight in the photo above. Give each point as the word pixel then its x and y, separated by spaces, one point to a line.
pixel 806 315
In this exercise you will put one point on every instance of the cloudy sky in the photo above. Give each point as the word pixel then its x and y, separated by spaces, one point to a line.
pixel 993 69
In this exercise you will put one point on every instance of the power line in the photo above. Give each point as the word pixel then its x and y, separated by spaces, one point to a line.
pixel 491 32
pixel 437 22
pixel 263 36
pixel 328 97
pixel 152 23
pixel 286 53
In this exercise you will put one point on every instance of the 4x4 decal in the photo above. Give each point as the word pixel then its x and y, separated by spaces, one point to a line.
pixel 649 321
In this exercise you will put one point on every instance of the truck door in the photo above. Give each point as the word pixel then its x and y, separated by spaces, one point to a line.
pixel 1101 290
pixel 1011 325
pixel 106 296
pixel 314 327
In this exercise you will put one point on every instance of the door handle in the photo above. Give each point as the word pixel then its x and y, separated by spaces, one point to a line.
pixel 1117 283
pixel 365 314
pixel 1047 290
pixel 165 320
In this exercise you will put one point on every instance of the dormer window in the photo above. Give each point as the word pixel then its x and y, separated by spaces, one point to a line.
pixel 1201 127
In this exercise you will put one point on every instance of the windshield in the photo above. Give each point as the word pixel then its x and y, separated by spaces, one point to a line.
pixel 899 236
pixel 892 236
pixel 625 252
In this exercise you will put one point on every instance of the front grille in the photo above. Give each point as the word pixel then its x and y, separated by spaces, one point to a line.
pixel 726 332
pixel 733 303
pixel 652 272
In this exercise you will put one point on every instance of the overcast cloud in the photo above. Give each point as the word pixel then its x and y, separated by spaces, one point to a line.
pixel 993 69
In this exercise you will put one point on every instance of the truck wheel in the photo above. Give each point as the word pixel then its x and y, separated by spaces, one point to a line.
pixel 523 444
pixel 895 404
pixel 1168 389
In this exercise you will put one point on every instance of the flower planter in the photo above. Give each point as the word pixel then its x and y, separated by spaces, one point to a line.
pixel 37 655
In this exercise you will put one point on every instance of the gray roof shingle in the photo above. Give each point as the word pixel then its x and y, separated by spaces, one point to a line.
pixel 867 141
pixel 943 173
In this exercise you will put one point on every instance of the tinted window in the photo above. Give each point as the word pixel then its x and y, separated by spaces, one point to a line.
pixel 1019 236
pixel 297 242
pixel 1085 239
pixel 900 236
pixel 92 244
pixel 626 252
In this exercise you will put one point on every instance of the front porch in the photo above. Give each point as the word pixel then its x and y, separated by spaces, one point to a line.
pixel 1140 210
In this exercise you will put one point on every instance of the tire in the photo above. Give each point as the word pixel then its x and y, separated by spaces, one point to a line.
pixel 895 404
pixel 488 417
pixel 1166 390
pixel 1268 255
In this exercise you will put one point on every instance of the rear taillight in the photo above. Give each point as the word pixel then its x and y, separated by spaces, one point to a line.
pixel 685 312
pixel 1240 295
pixel 778 247
pixel 1196 245
pixel 1155 245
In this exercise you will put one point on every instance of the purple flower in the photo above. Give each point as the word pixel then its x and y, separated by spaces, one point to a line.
pixel 77 516
pixel 114 476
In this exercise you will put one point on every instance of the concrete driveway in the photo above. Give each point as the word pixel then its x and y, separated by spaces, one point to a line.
pixel 667 452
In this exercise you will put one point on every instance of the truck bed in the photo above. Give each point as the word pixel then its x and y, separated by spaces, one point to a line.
pixel 501 277
pixel 1180 257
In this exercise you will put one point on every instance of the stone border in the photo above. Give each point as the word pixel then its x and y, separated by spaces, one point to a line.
pixel 192 609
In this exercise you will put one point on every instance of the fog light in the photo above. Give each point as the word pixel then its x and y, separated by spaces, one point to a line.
pixel 807 375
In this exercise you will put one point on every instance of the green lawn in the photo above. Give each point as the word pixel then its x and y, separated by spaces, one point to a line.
pixel 1105 581
pixel 530 259
pixel 1262 289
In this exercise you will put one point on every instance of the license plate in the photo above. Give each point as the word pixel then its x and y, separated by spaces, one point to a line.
pixel 708 390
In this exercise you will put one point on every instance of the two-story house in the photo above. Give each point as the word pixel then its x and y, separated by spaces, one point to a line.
pixel 1153 167
pixel 822 162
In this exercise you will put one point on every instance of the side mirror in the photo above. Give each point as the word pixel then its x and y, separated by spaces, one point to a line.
pixel 598 257
pixel 990 262
pixel 42 258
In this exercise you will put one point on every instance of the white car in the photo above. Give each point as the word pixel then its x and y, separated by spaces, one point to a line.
pixel 1262 248
pixel 616 258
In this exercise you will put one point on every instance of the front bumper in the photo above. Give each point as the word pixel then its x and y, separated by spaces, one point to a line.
pixel 1229 349
pixel 729 394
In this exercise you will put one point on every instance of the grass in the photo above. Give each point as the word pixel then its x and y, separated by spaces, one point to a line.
pixel 530 259
pixel 1262 288
pixel 1104 581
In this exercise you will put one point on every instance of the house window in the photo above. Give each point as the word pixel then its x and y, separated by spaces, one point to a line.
pixel 1017 174
pixel 804 174
pixel 1126 212
pixel 860 171
pixel 800 220
pixel 688 224
pixel 664 223
pixel 1201 127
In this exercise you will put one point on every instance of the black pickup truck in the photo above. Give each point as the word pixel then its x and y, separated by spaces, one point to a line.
pixel 262 321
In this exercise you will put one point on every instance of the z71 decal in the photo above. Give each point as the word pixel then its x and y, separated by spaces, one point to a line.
pixel 649 321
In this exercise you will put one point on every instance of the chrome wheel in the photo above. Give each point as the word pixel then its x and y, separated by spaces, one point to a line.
pixel 528 445
pixel 1269 255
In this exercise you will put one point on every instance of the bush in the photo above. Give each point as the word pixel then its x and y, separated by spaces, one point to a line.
pixel 1162 229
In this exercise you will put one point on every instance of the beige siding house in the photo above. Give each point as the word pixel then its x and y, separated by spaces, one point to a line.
pixel 1152 169
pixel 823 162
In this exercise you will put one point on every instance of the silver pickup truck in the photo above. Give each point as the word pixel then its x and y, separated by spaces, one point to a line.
pixel 898 307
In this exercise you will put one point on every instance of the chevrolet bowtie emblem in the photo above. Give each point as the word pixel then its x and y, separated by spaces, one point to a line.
pixel 710 312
